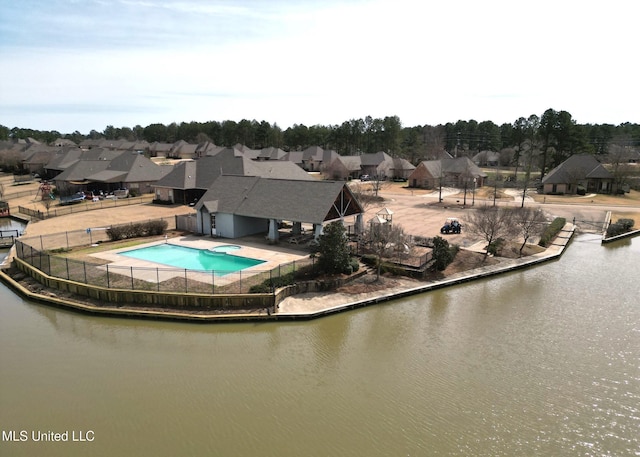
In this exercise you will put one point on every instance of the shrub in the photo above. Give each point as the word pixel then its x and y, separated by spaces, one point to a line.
pixel 442 254
pixel 369 259
pixel 496 246
pixel 551 231
pixel 135 230
pixel 355 265
pixel 620 227
pixel 260 289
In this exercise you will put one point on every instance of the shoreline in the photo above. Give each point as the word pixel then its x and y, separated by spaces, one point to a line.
pixel 304 306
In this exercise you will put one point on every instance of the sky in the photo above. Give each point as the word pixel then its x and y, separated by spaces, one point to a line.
pixel 81 65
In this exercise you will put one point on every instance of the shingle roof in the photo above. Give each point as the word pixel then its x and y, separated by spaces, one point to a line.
pixel 201 173
pixel 576 167
pixel 126 167
pixel 251 196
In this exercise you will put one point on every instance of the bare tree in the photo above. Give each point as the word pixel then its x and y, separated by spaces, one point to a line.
pixel 529 149
pixel 619 166
pixel 491 223
pixel 385 239
pixel 528 222
pixel 46 202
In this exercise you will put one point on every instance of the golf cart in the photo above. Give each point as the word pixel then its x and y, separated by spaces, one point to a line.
pixel 451 225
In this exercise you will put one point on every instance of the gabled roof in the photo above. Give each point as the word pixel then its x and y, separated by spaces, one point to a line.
pixel 306 201
pixel 64 159
pixel 459 165
pixel 246 151
pixel 201 173
pixel 577 167
pixel 351 163
pixel 126 167
pixel 295 157
pixel 374 159
pixel 402 164
pixel 272 154
pixel 81 170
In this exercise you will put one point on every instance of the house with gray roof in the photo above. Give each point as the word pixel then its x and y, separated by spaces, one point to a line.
pixel 128 170
pixel 68 156
pixel 379 164
pixel 580 171
pixel 237 206
pixel 189 180
pixel 458 172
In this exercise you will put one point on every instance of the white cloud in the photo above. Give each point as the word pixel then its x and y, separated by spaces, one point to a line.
pixel 315 62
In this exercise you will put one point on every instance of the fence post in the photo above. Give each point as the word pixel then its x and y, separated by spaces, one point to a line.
pixel 158 278
pixel 66 234
pixel 186 283
pixel 41 245
pixel 84 266
pixel 240 280
pixel 108 283
pixel 132 288
pixel 67 264
pixel 213 282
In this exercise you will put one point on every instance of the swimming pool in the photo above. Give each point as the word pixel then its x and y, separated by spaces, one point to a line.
pixel 220 262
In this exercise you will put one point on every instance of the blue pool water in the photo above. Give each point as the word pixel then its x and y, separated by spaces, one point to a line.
pixel 193 259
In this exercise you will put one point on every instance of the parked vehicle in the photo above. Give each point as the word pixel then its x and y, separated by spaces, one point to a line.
pixel 71 199
pixel 451 225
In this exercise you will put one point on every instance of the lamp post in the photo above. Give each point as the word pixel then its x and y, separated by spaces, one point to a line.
pixel 473 195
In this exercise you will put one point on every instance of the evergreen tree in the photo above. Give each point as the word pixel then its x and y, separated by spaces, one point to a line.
pixel 333 249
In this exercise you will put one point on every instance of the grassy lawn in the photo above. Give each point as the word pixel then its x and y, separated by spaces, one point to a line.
pixel 635 215
pixel 630 199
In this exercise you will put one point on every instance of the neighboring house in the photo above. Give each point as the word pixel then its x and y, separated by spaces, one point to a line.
pixel 188 181
pixel 207 149
pixel 314 158
pixel 157 149
pixel 68 156
pixel 457 172
pixel 35 157
pixel 63 142
pixel 580 171
pixel 343 168
pixel 379 165
pixel 237 206
pixel 128 170
pixel 487 159
pixel 183 150
pixel 271 154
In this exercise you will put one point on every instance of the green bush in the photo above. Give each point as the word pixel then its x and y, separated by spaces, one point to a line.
pixel 369 259
pixel 135 230
pixel 442 253
pixel 355 265
pixel 551 231
pixel 620 227
pixel 496 246
pixel 260 289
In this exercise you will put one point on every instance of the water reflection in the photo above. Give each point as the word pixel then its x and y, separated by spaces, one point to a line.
pixel 537 362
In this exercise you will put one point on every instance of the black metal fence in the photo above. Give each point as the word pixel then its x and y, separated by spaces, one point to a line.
pixel 84 206
pixel 40 252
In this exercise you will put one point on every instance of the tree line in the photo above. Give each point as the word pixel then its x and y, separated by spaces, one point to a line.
pixel 556 133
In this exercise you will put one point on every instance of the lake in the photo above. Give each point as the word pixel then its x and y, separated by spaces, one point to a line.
pixel 544 361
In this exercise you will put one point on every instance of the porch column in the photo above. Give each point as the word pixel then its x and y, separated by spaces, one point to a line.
pixel 273 230
pixel 317 231
pixel 359 224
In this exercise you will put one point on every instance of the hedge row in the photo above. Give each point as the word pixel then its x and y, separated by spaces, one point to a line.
pixel 151 228
pixel 551 231
pixel 620 227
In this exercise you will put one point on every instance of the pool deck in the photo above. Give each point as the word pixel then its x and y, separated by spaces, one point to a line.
pixel 315 305
pixel 152 271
